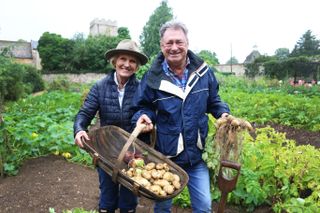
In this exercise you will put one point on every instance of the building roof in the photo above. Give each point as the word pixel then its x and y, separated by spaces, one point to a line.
pixel 252 56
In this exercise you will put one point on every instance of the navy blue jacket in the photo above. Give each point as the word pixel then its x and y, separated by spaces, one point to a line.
pixel 181 117
pixel 103 97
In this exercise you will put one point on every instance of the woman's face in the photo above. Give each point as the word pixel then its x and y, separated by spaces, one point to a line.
pixel 126 65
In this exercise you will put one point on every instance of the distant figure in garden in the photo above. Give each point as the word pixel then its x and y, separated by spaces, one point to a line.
pixel 112 98
pixel 175 95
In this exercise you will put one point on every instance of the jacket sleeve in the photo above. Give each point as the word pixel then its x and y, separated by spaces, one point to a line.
pixel 142 102
pixel 87 111
pixel 215 105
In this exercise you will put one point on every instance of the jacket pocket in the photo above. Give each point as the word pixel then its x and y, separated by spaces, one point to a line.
pixel 169 144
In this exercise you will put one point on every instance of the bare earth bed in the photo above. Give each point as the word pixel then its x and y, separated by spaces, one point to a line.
pixel 51 181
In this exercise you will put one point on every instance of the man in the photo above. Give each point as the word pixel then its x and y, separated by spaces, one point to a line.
pixel 176 94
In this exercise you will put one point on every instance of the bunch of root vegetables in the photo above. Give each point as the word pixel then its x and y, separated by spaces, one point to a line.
pixel 156 177
pixel 228 136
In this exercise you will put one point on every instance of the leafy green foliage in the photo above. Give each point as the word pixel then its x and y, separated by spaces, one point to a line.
pixel 295 111
pixel 302 62
pixel 123 33
pixel 274 170
pixel 282 53
pixel 143 69
pixel 183 199
pixel 17 80
pixel 38 126
pixel 150 38
pixel 89 53
pixel 55 52
pixel 209 57
pixel 60 55
pixel 307 45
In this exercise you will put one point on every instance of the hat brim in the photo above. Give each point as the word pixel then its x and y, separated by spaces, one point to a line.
pixel 141 57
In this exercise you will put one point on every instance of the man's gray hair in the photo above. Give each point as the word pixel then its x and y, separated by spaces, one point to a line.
pixel 173 24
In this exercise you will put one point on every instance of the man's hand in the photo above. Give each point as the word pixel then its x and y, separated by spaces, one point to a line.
pixel 144 119
pixel 224 115
pixel 79 135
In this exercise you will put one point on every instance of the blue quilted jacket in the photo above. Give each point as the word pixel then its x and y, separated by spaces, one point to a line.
pixel 103 98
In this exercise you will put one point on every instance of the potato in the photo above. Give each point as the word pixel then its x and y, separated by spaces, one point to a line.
pixel 146 174
pixel 162 171
pixel 150 166
pixel 161 182
pixel 162 193
pixel 130 172
pixel 142 181
pixel 155 174
pixel 168 176
pixel 166 167
pixel 159 166
pixel 176 177
pixel 176 184
pixel 155 189
pixel 169 189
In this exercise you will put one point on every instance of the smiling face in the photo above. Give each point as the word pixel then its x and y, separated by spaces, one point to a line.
pixel 174 46
pixel 126 65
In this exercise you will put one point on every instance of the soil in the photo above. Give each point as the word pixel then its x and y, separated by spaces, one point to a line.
pixel 52 182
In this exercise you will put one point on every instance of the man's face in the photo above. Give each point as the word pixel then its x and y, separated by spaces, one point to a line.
pixel 174 46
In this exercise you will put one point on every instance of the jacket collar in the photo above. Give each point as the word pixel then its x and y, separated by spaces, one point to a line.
pixel 156 74
pixel 112 76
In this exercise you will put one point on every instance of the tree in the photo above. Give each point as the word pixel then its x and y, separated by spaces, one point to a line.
pixel 282 53
pixel 209 57
pixel 308 45
pixel 232 60
pixel 95 49
pixel 123 33
pixel 55 52
pixel 149 39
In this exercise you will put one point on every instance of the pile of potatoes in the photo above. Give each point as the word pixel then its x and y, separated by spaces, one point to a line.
pixel 155 177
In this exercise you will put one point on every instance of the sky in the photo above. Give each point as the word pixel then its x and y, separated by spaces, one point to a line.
pixel 226 27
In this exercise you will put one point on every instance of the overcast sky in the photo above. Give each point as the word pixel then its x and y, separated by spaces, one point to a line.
pixel 223 26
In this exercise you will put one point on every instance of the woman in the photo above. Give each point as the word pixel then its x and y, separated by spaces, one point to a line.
pixel 112 97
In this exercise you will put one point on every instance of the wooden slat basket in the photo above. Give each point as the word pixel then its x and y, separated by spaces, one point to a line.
pixel 108 146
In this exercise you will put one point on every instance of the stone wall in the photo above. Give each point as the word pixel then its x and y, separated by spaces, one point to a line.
pixel 76 78
pixel 237 69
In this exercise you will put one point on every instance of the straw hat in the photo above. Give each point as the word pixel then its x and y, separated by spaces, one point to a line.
pixel 130 47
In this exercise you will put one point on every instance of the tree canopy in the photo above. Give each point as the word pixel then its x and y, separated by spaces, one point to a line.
pixel 209 57
pixel 77 54
pixel 232 60
pixel 55 51
pixel 150 38
pixel 307 45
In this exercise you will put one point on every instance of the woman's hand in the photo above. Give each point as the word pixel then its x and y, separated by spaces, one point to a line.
pixel 79 135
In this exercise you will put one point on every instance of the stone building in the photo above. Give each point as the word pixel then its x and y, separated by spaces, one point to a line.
pixel 22 52
pixel 239 69
pixel 103 27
